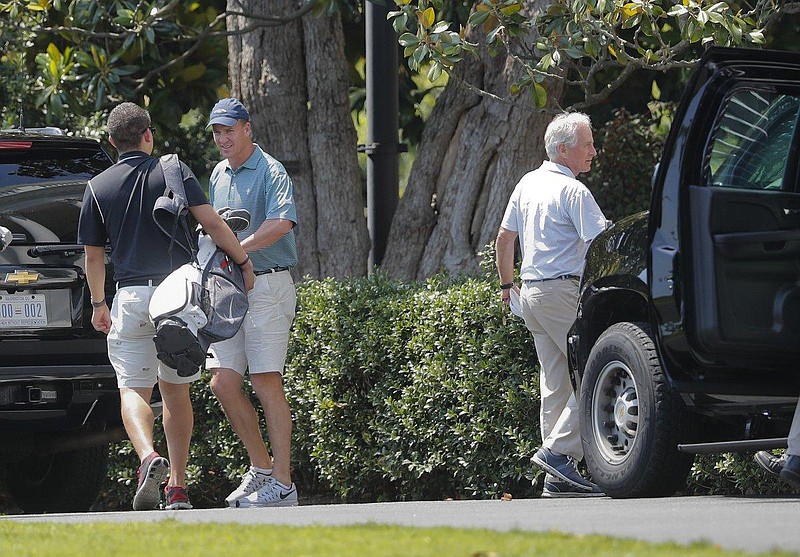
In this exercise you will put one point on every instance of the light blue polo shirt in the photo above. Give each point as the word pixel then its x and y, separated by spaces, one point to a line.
pixel 262 186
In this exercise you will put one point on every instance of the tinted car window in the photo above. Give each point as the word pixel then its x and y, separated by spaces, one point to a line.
pixel 51 216
pixel 32 166
pixel 751 141
pixel 41 189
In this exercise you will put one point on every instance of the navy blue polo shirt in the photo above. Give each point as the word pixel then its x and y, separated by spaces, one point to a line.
pixel 118 209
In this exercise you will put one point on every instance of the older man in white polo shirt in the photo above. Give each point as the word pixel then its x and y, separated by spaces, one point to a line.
pixel 555 217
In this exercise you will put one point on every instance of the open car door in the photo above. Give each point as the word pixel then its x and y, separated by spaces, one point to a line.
pixel 734 173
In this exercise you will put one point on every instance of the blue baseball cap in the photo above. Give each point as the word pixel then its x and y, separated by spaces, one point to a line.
pixel 227 112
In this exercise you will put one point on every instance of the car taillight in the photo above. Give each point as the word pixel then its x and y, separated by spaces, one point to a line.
pixel 15 145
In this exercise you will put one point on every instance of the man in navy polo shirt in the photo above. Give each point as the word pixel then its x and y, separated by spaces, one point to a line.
pixel 118 210
pixel 250 179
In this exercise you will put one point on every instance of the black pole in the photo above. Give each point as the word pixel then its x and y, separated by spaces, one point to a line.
pixel 382 124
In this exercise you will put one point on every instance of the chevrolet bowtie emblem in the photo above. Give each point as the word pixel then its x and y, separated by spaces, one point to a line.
pixel 22 277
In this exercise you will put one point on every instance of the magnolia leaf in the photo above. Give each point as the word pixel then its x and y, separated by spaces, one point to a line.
pixel 419 55
pixel 592 47
pixel 195 71
pixel 546 62
pixel 441 27
pixel 539 95
pixel 435 72
pixel 478 17
pixel 511 10
pixel 631 9
pixel 655 91
pixel 400 22
pixel 574 53
pixel 631 22
pixel 735 31
pixel 407 39
pixel 490 38
pixel 646 27
pixel 426 18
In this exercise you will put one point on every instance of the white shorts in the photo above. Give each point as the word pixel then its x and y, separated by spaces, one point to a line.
pixel 130 342
pixel 260 345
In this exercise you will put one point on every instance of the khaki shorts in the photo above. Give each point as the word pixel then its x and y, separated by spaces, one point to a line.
pixel 130 342
pixel 261 343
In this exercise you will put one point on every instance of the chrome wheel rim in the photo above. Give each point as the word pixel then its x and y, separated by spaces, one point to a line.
pixel 615 412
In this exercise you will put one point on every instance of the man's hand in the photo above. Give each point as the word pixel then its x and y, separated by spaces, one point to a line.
pixel 505 296
pixel 101 319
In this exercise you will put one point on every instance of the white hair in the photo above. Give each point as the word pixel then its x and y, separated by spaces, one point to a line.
pixel 563 129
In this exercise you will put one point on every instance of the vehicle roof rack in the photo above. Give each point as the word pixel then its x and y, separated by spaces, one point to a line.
pixel 47 130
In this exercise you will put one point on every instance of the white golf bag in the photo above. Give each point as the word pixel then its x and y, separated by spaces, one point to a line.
pixel 203 301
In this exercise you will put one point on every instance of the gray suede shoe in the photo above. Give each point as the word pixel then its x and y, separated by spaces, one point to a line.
pixel 562 467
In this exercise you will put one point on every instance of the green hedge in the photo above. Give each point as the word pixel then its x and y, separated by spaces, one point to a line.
pixel 402 391
pixel 413 391
pixel 398 391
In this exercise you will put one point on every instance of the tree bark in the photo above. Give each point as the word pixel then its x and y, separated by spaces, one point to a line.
pixel 293 80
pixel 473 152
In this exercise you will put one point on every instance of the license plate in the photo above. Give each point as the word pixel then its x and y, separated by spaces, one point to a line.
pixel 22 310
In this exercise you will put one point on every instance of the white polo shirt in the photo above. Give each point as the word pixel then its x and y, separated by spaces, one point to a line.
pixel 556 218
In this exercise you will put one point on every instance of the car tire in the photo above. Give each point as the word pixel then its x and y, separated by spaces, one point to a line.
pixel 61 482
pixel 631 422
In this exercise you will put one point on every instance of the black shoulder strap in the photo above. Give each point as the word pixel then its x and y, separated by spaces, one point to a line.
pixel 173 177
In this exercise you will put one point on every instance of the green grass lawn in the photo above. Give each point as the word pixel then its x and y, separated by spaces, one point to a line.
pixel 170 538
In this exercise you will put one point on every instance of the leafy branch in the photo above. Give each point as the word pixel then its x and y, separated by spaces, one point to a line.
pixel 578 41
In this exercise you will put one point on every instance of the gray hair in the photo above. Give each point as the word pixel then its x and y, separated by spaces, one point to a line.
pixel 126 124
pixel 564 129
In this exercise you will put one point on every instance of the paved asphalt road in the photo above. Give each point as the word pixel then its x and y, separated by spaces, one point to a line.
pixel 745 523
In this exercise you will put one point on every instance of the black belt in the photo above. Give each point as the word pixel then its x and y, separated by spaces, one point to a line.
pixel 139 282
pixel 562 277
pixel 272 270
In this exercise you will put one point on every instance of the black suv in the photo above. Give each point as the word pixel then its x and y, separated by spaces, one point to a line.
pixel 59 404
pixel 687 338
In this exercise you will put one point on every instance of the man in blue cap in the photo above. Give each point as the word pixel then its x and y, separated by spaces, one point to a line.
pixel 248 178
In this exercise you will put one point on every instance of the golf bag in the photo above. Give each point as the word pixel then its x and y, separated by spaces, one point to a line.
pixel 203 301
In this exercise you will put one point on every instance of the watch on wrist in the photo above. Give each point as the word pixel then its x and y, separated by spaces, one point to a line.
pixel 506 286
pixel 99 304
